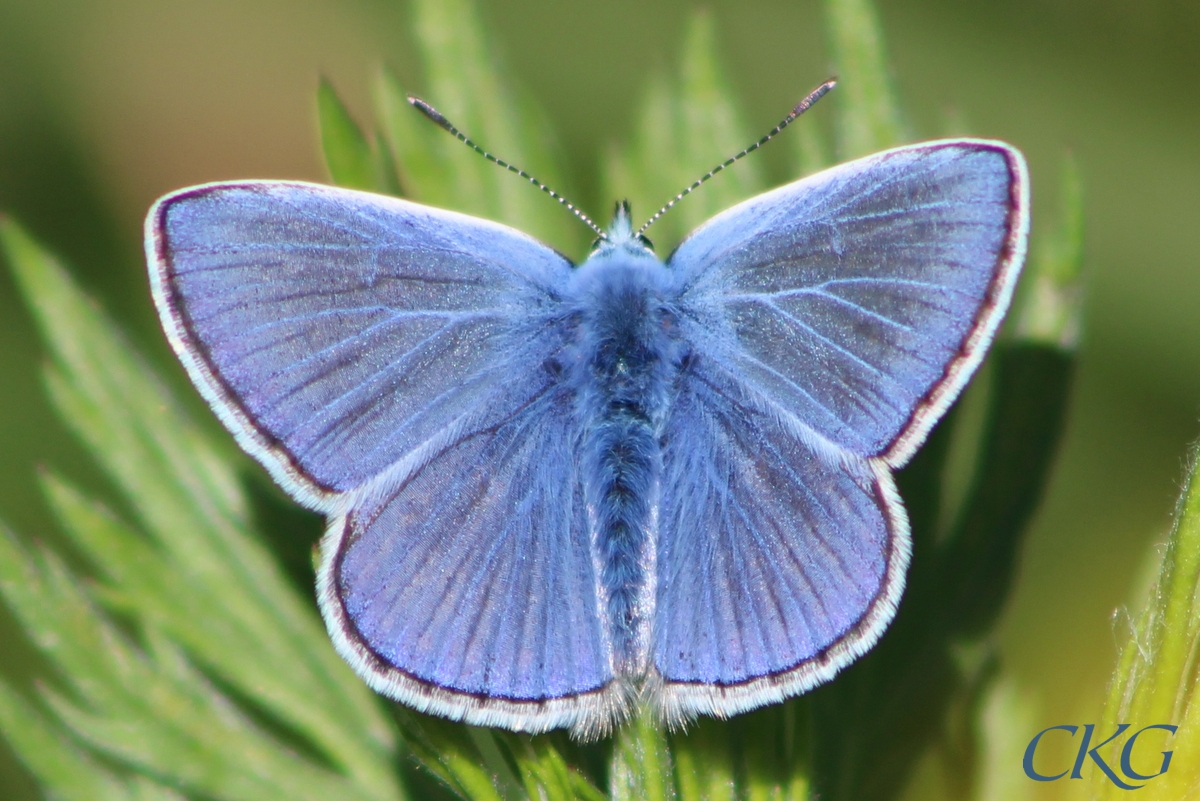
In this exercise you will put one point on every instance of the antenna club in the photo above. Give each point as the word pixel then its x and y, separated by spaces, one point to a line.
pixel 430 112
pixel 813 97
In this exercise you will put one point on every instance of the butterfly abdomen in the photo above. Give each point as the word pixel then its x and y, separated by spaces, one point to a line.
pixel 623 374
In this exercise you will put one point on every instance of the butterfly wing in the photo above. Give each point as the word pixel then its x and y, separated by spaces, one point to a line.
pixel 466 587
pixel 392 364
pixel 335 331
pixel 832 321
pixel 776 566
pixel 859 300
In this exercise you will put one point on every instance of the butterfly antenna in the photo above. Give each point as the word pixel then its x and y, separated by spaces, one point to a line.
pixel 801 107
pixel 439 118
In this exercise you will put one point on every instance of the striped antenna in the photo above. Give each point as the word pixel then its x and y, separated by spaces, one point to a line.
pixel 801 107
pixel 437 116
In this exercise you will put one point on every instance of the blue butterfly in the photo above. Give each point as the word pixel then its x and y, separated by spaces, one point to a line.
pixel 554 490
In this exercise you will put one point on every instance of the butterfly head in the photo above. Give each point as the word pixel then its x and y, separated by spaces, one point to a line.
pixel 621 236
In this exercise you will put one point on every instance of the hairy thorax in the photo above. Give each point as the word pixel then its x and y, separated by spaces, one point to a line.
pixel 626 362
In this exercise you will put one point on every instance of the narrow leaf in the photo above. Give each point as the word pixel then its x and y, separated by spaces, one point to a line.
pixel 686 127
pixel 545 772
pixel 162 718
pixel 213 587
pixel 809 145
pixel 1050 306
pixel 463 81
pixel 63 769
pixel 59 765
pixel 868 113
pixel 452 753
pixel 1156 676
pixel 1030 390
pixel 348 155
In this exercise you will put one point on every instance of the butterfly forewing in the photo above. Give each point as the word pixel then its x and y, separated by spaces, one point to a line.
pixel 336 331
pixel 858 300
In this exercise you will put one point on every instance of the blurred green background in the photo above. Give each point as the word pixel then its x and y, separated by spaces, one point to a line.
pixel 104 105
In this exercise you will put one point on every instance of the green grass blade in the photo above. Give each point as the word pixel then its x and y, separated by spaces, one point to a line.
pixel 151 711
pixel 464 81
pixel 60 765
pixel 466 759
pixel 868 112
pixel 423 171
pixel 545 773
pixel 809 145
pixel 711 130
pixel 347 152
pixel 62 768
pixel 1028 403
pixel 686 126
pixel 775 752
pixel 353 161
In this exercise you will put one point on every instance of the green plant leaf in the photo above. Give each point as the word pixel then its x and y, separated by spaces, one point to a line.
pixel 1028 402
pixel 352 160
pixel 347 152
pixel 494 765
pixel 198 586
pixel 463 80
pixel 704 762
pixel 63 769
pixel 1156 675
pixel 687 125
pixel 868 112
pixel 641 768
pixel 810 146
pixel 1050 307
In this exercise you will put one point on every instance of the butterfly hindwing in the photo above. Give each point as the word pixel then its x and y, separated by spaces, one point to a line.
pixel 335 331
pixel 466 586
pixel 860 299
pixel 776 566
